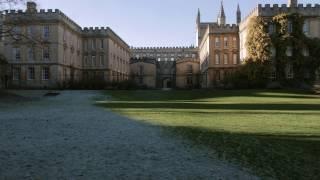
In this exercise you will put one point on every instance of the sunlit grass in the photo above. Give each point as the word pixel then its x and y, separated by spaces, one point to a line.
pixel 277 134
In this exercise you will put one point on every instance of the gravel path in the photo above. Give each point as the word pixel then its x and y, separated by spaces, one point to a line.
pixel 66 137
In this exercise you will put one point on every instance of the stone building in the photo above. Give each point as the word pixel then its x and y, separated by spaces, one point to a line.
pixel 144 72
pixel 46 49
pixel 166 59
pixel 218 45
pixel 311 27
pixel 187 73
pixel 106 55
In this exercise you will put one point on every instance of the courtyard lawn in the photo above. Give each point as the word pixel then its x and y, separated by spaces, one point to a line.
pixel 274 134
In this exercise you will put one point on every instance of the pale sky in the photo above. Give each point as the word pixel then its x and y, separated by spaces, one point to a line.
pixel 152 22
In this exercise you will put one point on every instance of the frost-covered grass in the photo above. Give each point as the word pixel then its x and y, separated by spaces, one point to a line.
pixel 277 134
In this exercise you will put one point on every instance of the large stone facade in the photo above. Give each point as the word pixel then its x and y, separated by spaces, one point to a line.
pixel 48 49
pixel 311 28
pixel 218 49
pixel 188 73
pixel 144 72
pixel 165 59
pixel 311 14
pixel 53 49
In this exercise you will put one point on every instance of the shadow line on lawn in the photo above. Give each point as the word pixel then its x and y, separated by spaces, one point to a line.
pixel 179 105
pixel 277 156
pixel 177 95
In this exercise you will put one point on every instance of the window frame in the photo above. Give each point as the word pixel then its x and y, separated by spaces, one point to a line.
pixel 45 73
pixel 31 74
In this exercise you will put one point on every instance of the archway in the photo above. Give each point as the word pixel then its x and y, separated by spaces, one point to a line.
pixel 167 83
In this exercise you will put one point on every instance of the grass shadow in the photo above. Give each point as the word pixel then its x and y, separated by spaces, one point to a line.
pixel 178 95
pixel 216 106
pixel 275 156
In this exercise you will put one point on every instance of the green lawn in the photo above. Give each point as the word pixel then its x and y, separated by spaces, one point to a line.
pixel 275 134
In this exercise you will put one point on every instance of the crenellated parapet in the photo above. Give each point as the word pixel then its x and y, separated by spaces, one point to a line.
pixel 41 15
pixel 93 32
pixel 163 48
pixel 272 10
pixel 227 28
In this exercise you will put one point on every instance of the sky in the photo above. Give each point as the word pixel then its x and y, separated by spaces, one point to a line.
pixel 152 23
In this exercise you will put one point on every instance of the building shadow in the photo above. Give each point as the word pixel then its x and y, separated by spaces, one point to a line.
pixel 275 156
pixel 216 106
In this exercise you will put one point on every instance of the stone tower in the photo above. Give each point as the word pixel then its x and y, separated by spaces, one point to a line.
pixel 238 15
pixel 292 3
pixel 221 15
pixel 31 7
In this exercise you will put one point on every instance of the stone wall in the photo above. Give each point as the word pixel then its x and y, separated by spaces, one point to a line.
pixel 187 73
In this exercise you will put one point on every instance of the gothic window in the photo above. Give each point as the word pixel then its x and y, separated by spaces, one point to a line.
pixel 217 42
pixel 271 28
pixel 306 27
pixel 235 59
pixel 93 60
pixel 16 72
pixel 46 53
pixel 141 69
pixel 290 26
pixel 305 52
pixel 225 58
pixel 273 52
pixel 93 44
pixel 225 42
pixel 273 75
pixel 289 71
pixel 30 31
pixel 86 62
pixel 234 40
pixel 45 73
pixel 46 32
pixel 16 54
pixel 101 44
pixel 189 69
pixel 101 60
pixel 217 59
pixel 16 31
pixel 289 51
pixel 31 73
pixel 189 80
pixel 31 54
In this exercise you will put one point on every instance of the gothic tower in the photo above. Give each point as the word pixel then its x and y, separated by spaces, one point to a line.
pixel 238 15
pixel 292 3
pixel 198 17
pixel 198 23
pixel 221 15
